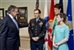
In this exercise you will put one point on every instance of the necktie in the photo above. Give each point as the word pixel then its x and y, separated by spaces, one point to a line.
pixel 37 19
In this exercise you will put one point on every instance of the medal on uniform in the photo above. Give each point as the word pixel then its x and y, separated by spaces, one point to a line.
pixel 40 23
pixel 32 24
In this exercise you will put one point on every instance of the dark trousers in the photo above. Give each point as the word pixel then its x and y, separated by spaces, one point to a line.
pixel 36 46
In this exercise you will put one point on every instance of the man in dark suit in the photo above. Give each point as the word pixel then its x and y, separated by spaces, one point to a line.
pixel 9 33
pixel 37 31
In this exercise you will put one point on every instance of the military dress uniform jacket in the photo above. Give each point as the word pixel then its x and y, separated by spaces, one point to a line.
pixel 37 29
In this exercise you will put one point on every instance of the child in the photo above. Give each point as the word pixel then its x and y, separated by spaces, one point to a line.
pixel 61 33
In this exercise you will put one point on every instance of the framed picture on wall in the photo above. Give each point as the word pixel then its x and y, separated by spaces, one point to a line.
pixel 1 13
pixel 22 16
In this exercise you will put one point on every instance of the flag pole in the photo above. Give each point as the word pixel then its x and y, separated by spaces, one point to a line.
pixel 37 4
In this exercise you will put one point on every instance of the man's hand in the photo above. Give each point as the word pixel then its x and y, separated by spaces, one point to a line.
pixel 35 38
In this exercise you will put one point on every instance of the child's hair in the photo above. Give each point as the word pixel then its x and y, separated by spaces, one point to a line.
pixel 57 6
pixel 62 15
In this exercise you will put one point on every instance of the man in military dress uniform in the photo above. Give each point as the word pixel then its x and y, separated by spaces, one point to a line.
pixel 37 31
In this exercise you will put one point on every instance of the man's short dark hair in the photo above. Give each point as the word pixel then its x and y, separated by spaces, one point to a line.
pixel 11 7
pixel 57 6
pixel 38 10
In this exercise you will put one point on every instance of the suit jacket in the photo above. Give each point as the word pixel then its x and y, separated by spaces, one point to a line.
pixel 0 24
pixel 9 35
pixel 37 29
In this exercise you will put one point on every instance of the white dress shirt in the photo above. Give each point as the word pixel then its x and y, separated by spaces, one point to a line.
pixel 13 20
